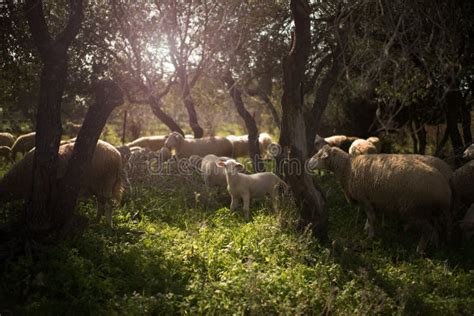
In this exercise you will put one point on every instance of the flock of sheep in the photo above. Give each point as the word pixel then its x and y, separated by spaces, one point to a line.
pixel 422 190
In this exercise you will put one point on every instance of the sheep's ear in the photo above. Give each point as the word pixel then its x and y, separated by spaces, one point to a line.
pixel 221 163
pixel 240 167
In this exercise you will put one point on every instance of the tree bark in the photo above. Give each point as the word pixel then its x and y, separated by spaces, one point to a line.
pixel 451 107
pixel 155 105
pixel 266 99
pixel 293 129
pixel 53 54
pixel 107 97
pixel 322 95
pixel 250 123
pixel 189 102
pixel 466 122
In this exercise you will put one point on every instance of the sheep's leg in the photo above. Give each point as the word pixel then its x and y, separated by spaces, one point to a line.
pixel 246 207
pixel 234 203
pixel 100 208
pixel 428 233
pixel 274 197
pixel 371 220
pixel 108 213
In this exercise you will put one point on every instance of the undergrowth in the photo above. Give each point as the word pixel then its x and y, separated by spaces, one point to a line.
pixel 177 249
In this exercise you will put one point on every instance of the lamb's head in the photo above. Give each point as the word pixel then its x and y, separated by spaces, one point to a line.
pixel 231 166
pixel 174 141
pixel 469 153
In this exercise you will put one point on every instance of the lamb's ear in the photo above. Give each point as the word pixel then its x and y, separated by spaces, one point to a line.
pixel 240 167
pixel 220 163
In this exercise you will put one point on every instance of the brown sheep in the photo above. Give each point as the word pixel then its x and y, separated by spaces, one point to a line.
pixel 463 183
pixel 184 148
pixel 23 144
pixel 153 143
pixel 103 178
pixel 7 139
pixel 391 184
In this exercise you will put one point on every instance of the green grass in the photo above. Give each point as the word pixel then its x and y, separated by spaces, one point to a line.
pixel 176 252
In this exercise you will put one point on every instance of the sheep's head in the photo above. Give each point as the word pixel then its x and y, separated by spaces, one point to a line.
pixel 195 161
pixel 319 160
pixel 231 166
pixel 174 140
pixel 469 153
pixel 319 142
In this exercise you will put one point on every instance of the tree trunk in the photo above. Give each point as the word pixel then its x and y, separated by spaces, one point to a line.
pixel 451 107
pixel 124 127
pixel 466 121
pixel 266 99
pixel 293 130
pixel 156 105
pixel 189 103
pixel 250 124
pixel 48 136
pixel 107 97
pixel 53 54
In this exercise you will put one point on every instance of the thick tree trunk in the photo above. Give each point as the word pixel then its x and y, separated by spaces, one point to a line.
pixel 53 54
pixel 293 129
pixel 48 136
pixel 155 105
pixel 189 103
pixel 451 110
pixel 107 97
pixel 250 123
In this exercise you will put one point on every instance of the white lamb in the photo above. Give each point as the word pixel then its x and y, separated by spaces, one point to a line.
pixel 244 186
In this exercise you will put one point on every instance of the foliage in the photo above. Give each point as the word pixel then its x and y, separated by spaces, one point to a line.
pixel 173 252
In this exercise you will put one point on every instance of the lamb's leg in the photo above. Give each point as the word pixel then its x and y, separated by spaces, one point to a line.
pixel 234 203
pixel 246 207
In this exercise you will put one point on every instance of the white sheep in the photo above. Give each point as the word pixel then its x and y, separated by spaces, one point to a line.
pixel 7 139
pixel 184 147
pixel 376 142
pixel 213 175
pixel 153 143
pixel 362 147
pixel 391 184
pixel 102 177
pixel 469 152
pixel 246 187
pixel 264 140
pixel 240 145
pixel 23 144
pixel 341 141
